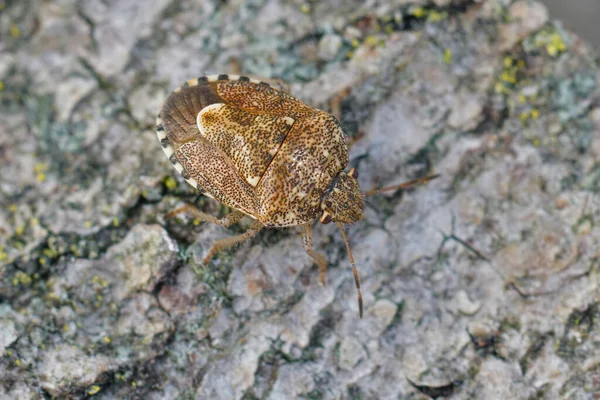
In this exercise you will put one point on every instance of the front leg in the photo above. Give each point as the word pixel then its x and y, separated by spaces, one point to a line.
pixel 232 240
pixel 318 257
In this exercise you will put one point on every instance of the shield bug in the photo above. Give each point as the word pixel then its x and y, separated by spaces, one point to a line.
pixel 264 154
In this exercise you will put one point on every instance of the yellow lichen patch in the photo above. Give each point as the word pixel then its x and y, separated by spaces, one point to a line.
pixel 509 77
pixel 116 222
pixel 500 88
pixel 40 167
pixel 19 230
pixel 1 86
pixel 74 249
pixel 52 297
pixel 170 183
pixel 15 31
pixel 305 8
pixel 3 255
pixel 94 389
pixel 21 278
pixel 556 45
pixel 419 12
pixel 523 116
pixel 436 16
pixel 529 114
pixel 96 280
pixel 40 171
pixel 12 208
pixel 371 40
pixel 448 56
pixel 535 113
pixel 106 339
pixel 551 40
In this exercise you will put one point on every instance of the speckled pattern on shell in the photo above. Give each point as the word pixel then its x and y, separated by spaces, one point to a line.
pixel 312 155
pixel 252 147
pixel 250 139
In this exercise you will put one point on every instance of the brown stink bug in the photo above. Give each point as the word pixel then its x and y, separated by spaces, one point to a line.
pixel 265 154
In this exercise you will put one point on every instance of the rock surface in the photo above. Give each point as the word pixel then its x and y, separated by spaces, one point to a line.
pixel 485 283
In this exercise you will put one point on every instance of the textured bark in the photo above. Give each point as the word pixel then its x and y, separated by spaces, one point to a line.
pixel 481 284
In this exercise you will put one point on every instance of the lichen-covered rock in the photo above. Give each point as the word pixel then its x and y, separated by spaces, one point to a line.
pixel 64 366
pixel 8 334
pixel 482 284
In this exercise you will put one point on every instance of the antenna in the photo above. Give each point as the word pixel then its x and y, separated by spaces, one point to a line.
pixel 354 271
pixel 404 185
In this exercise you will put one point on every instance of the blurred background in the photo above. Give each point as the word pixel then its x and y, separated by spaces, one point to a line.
pixel 582 16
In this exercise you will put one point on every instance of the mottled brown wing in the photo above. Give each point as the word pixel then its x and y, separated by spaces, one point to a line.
pixel 245 119
pixel 203 165
pixel 249 139
pixel 311 156
pixel 176 122
pixel 261 98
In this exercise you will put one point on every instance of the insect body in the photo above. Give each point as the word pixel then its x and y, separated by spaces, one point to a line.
pixel 263 153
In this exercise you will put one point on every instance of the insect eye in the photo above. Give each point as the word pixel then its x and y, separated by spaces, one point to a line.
pixel 353 173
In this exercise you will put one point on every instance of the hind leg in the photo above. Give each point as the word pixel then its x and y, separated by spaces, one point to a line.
pixel 189 209
pixel 232 240
pixel 226 221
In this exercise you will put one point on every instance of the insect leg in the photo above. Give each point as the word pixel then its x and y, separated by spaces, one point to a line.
pixel 318 257
pixel 232 240
pixel 226 221
pixel 335 102
pixel 404 185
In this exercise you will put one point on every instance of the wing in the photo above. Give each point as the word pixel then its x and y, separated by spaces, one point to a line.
pixel 245 119
pixel 250 139
pixel 309 159
pixel 261 98
pixel 203 165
